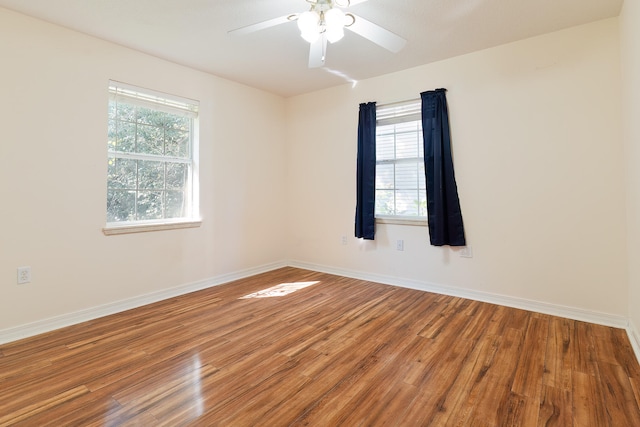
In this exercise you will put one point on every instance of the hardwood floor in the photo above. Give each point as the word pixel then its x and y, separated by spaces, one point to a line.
pixel 338 352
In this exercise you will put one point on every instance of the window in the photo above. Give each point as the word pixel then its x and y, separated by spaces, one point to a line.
pixel 151 157
pixel 400 178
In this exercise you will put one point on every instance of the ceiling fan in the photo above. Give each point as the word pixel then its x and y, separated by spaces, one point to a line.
pixel 325 22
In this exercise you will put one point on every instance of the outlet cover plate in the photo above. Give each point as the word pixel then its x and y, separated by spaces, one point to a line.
pixel 24 275
pixel 466 252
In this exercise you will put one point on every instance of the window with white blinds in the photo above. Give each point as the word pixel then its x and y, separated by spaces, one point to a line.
pixel 150 153
pixel 400 178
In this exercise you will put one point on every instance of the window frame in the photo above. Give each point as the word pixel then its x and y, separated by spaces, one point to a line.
pixel 397 113
pixel 175 105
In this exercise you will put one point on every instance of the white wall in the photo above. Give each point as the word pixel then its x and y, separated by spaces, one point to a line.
pixel 53 107
pixel 630 42
pixel 536 134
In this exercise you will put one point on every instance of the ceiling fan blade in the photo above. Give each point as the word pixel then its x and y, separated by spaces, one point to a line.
pixel 377 34
pixel 318 52
pixel 261 25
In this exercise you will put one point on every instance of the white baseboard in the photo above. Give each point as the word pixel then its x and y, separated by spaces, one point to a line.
pixel 47 325
pixel 634 337
pixel 521 303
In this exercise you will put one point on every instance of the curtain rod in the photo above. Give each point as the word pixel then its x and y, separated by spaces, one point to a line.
pixel 408 101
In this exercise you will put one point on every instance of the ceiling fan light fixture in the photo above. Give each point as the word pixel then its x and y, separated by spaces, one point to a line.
pixel 311 36
pixel 333 35
pixel 324 23
pixel 309 25
pixel 334 20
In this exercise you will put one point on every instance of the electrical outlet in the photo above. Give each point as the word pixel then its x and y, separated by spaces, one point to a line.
pixel 400 245
pixel 344 240
pixel 24 275
pixel 466 252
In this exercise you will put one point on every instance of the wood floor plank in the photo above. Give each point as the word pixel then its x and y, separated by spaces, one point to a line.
pixel 376 358
pixel 399 345
pixel 519 411
pixel 39 405
pixel 490 407
pixel 583 349
pixel 559 359
pixel 340 351
pixel 86 409
pixel 556 408
pixel 588 401
pixel 457 405
pixel 328 409
pixel 619 396
pixel 635 386
pixel 273 398
pixel 613 346
pixel 472 384
pixel 389 410
pixel 435 384
pixel 64 375
pixel 530 368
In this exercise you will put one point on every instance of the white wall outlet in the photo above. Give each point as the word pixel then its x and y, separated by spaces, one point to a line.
pixel 24 275
pixel 400 245
pixel 343 240
pixel 466 252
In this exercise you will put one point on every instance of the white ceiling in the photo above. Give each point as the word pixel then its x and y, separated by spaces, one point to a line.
pixel 194 33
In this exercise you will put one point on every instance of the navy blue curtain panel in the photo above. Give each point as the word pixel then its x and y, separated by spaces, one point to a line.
pixel 443 205
pixel 366 172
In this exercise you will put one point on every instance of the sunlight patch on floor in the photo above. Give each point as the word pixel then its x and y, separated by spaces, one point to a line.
pixel 279 290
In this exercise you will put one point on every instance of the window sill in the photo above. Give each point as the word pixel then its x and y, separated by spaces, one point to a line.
pixel 115 229
pixel 418 222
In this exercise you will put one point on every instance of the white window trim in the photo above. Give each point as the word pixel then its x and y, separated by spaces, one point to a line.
pixel 409 110
pixel 171 104
pixel 416 221
pixel 117 228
